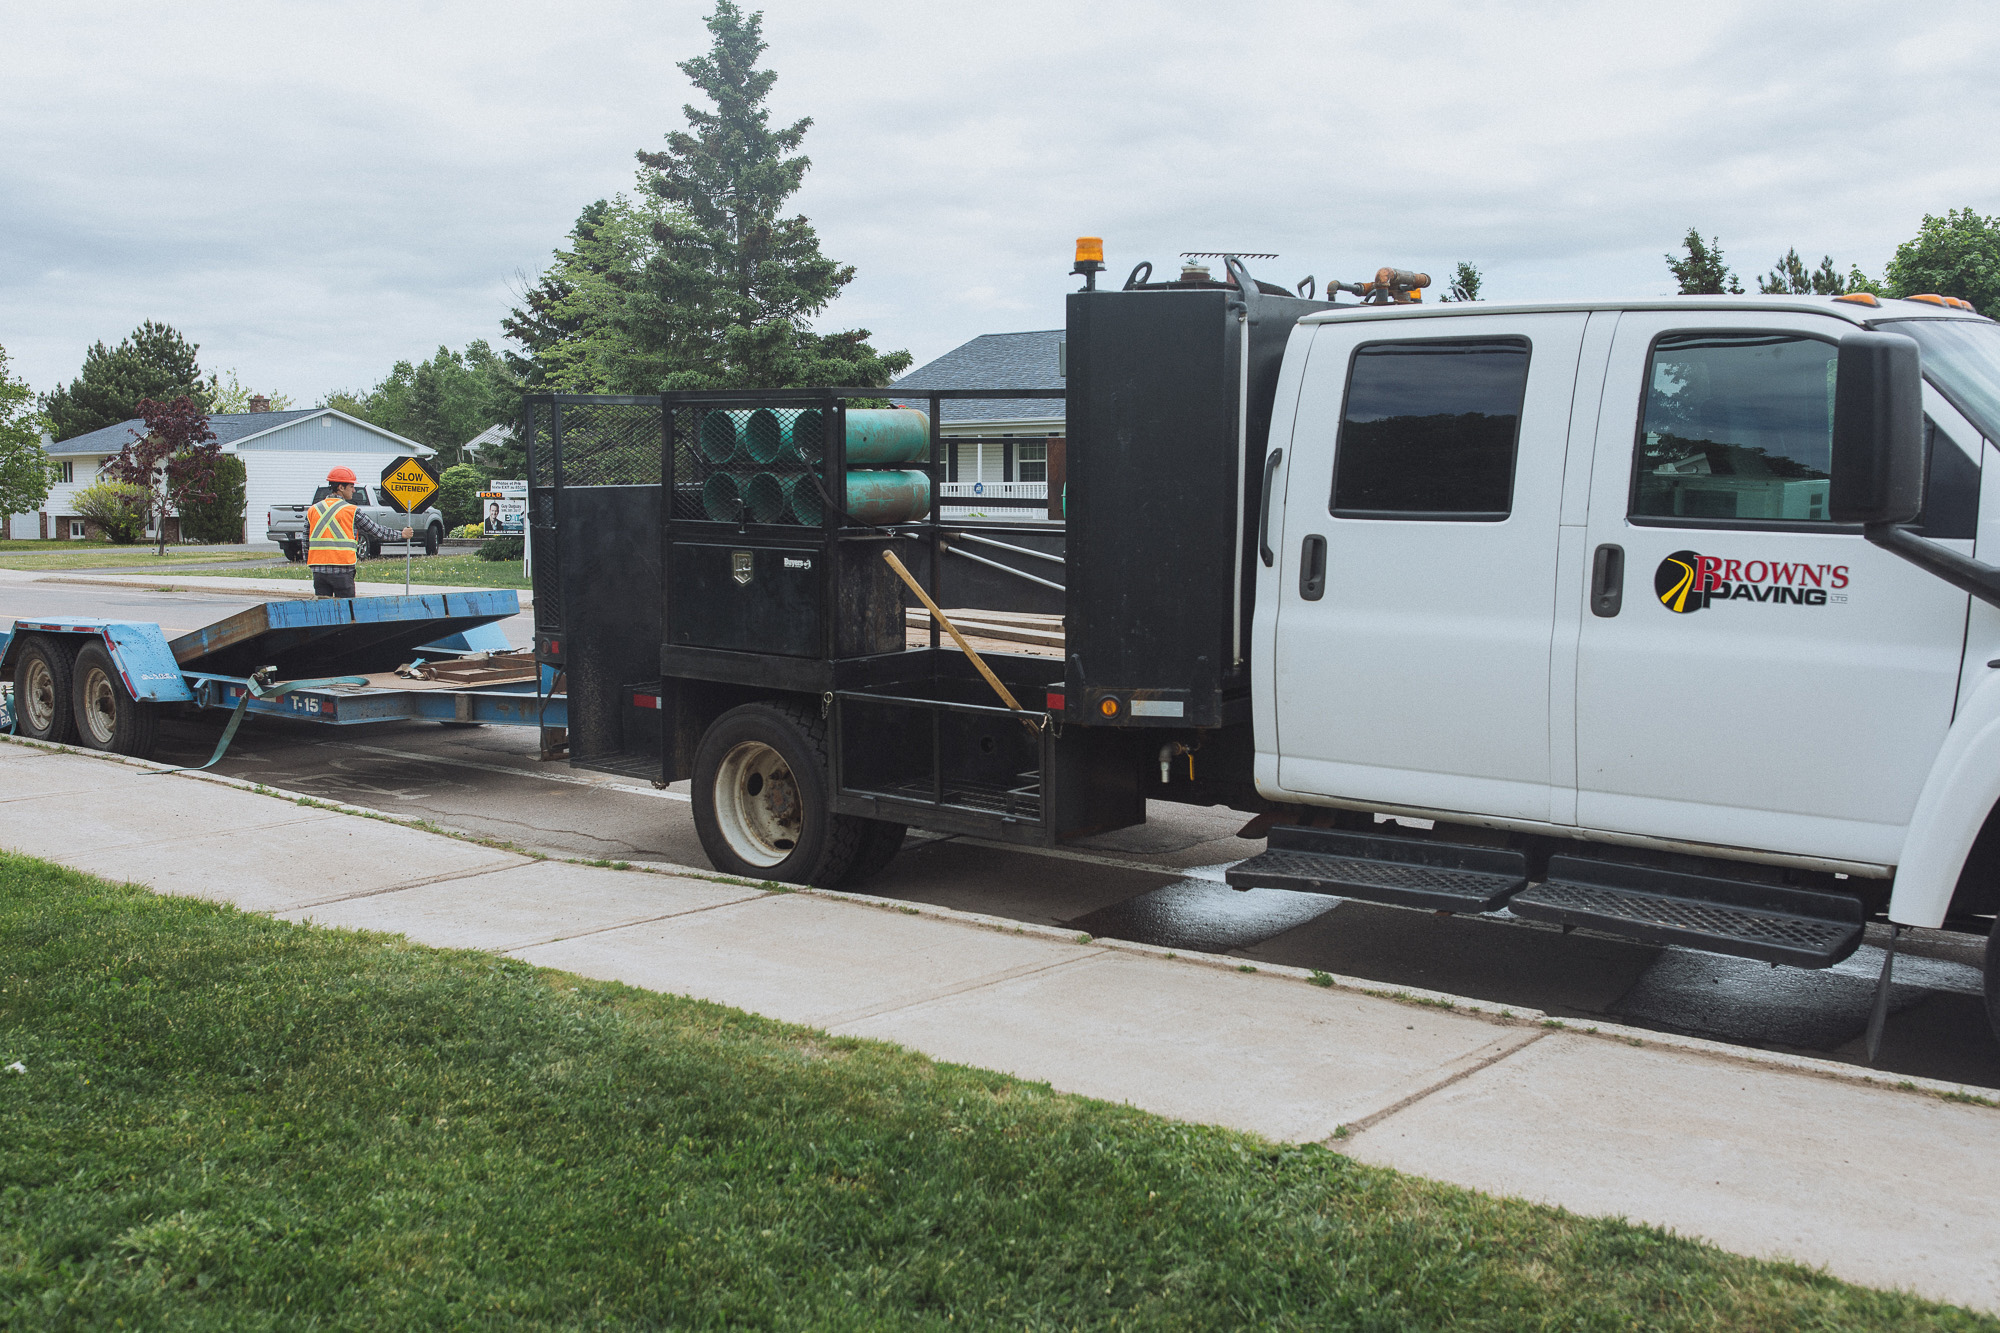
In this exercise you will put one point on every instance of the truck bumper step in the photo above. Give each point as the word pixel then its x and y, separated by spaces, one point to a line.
pixel 1403 872
pixel 1768 922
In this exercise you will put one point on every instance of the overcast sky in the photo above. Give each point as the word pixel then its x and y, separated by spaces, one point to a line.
pixel 315 190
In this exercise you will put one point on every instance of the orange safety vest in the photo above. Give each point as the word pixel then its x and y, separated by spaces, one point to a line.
pixel 330 532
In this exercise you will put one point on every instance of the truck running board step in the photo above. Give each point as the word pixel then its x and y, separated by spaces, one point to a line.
pixel 1768 922
pixel 1404 872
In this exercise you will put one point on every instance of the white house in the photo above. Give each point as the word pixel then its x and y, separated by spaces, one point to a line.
pixel 285 456
pixel 996 450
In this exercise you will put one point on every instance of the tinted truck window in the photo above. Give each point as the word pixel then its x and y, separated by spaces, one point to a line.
pixel 1429 430
pixel 1736 426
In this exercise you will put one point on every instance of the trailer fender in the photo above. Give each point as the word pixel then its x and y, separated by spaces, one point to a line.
pixel 138 649
pixel 1963 787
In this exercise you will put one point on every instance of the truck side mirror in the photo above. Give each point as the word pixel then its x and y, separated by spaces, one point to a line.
pixel 1878 430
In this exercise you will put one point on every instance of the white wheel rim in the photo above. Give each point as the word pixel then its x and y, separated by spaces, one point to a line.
pixel 38 695
pixel 100 705
pixel 757 804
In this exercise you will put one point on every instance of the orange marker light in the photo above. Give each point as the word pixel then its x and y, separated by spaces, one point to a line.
pixel 1090 249
pixel 1109 708
pixel 1929 298
pixel 1859 298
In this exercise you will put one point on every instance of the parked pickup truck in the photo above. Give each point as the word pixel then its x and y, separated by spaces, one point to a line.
pixel 286 524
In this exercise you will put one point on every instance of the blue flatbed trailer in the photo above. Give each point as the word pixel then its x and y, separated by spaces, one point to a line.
pixel 104 683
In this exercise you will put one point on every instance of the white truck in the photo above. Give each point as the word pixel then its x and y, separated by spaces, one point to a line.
pixel 286 524
pixel 1665 615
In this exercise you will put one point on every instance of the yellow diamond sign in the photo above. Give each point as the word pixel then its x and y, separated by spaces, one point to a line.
pixel 408 484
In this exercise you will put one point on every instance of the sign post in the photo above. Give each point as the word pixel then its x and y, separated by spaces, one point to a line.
pixel 408 484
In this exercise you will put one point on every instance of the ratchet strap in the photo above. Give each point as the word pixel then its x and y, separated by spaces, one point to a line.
pixel 261 688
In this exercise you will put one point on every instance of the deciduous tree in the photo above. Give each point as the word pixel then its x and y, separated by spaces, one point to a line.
pixel 174 459
pixel 1464 283
pixel 26 472
pixel 1955 255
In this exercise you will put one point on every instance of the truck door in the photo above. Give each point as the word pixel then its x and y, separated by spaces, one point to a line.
pixel 1417 583
pixel 1748 673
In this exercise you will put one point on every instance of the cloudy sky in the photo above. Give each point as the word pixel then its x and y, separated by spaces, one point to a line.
pixel 313 190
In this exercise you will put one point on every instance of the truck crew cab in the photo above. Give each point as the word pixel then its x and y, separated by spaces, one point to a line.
pixel 1665 615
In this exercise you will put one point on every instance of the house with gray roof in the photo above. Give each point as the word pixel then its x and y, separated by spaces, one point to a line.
pixel 996 449
pixel 285 456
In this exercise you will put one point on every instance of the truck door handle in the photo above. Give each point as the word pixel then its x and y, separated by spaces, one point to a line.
pixel 1607 580
pixel 1312 568
pixel 1264 514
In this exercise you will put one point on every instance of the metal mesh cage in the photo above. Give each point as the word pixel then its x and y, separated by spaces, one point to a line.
pixel 751 463
pixel 611 444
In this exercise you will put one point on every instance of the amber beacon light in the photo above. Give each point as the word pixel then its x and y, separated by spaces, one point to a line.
pixel 1089 260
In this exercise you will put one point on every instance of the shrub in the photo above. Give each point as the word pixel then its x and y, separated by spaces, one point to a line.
pixel 501 548
pixel 220 519
pixel 458 493
pixel 117 507
pixel 468 530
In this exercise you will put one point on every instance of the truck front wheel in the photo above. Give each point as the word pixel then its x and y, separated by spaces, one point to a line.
pixel 107 716
pixel 761 795
pixel 42 691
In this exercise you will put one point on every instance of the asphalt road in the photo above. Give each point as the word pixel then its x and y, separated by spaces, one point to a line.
pixel 1160 882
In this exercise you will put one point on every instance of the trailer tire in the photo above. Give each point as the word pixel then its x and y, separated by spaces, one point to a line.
pixel 761 798
pixel 42 691
pixel 107 716
pixel 880 841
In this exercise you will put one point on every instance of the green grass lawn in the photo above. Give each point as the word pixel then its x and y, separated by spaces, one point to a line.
pixel 229 1122
pixel 457 570
pixel 103 555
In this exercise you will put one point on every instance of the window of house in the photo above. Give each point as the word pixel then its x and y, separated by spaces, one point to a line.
pixel 1430 428
pixel 1736 427
pixel 76 529
pixel 67 471
pixel 1031 460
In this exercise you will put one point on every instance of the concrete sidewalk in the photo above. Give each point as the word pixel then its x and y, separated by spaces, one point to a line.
pixel 1771 1155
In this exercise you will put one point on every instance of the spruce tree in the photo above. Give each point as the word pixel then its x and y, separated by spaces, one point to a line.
pixel 1703 272
pixel 726 299
pixel 155 361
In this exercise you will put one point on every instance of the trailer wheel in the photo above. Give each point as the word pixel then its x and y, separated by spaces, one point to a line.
pixel 107 716
pixel 880 841
pixel 761 798
pixel 42 709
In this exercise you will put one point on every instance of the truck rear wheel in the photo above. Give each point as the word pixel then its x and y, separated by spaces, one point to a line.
pixel 433 538
pixel 880 841
pixel 107 716
pixel 761 795
pixel 292 551
pixel 42 708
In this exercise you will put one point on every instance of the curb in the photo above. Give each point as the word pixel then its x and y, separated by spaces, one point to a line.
pixel 1503 1016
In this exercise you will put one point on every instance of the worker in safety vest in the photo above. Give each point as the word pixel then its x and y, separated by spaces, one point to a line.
pixel 335 529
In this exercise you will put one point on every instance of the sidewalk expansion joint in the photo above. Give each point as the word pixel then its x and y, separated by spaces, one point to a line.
pixel 1471 1067
pixel 474 873
pixel 639 921
pixel 833 1021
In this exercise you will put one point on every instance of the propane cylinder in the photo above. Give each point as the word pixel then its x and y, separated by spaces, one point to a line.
pixel 768 497
pixel 876 436
pixel 720 495
pixel 872 497
pixel 764 438
pixel 721 435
